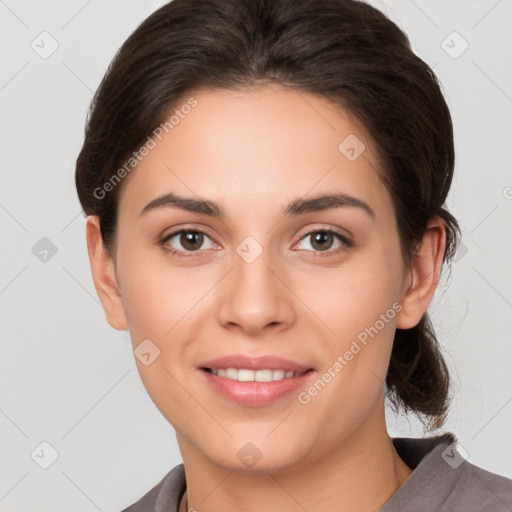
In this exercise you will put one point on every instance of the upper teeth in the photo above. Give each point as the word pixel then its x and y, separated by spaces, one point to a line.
pixel 254 375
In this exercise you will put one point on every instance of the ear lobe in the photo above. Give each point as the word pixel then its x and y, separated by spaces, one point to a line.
pixel 103 275
pixel 424 275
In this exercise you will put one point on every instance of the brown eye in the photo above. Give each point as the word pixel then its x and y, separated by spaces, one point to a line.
pixel 184 241
pixel 323 240
pixel 191 240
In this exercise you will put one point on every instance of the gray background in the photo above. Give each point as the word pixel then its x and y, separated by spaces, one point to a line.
pixel 70 380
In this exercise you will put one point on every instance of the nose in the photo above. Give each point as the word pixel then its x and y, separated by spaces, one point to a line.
pixel 255 297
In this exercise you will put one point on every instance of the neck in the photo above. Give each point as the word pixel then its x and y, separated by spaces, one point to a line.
pixel 362 473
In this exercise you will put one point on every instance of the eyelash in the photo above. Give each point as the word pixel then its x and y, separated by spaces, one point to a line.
pixel 347 244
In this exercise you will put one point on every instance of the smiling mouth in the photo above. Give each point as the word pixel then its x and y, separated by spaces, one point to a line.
pixel 247 375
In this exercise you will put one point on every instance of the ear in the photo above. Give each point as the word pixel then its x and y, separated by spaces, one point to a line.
pixel 104 276
pixel 423 277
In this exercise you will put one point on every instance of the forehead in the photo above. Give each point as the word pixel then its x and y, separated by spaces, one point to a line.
pixel 265 145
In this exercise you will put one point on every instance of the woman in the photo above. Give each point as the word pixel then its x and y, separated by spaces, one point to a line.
pixel 265 183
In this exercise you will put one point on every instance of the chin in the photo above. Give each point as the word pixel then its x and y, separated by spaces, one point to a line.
pixel 256 454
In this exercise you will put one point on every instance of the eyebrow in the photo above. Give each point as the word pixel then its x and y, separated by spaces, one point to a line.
pixel 296 207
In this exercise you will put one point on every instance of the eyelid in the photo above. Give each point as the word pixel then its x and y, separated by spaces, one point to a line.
pixel 345 241
pixel 169 232
pixel 334 229
pixel 164 238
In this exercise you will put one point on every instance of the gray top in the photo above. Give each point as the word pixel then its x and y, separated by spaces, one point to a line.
pixel 441 481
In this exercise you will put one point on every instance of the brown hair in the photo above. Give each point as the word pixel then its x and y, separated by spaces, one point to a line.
pixel 343 50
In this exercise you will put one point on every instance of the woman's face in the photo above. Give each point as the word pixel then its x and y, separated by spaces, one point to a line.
pixel 262 281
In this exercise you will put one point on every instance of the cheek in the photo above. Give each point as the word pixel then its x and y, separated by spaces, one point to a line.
pixel 354 295
pixel 147 308
pixel 361 314
pixel 155 294
pixel 358 302
pixel 159 302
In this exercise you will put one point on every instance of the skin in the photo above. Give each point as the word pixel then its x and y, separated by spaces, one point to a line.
pixel 253 152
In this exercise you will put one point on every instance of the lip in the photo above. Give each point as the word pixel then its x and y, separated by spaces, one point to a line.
pixel 254 394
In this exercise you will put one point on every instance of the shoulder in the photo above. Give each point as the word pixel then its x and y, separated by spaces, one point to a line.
pixel 443 480
pixel 475 486
pixel 164 496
